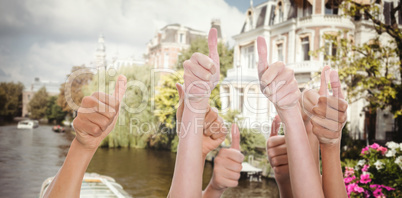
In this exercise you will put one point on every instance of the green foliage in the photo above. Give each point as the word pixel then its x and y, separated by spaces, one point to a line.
pixel 201 45
pixel 372 70
pixel 251 141
pixel 77 85
pixel 136 123
pixel 38 104
pixel 10 99
pixel 53 111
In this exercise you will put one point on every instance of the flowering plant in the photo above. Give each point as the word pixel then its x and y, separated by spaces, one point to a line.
pixel 377 174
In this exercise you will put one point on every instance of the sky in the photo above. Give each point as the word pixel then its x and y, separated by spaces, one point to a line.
pixel 45 38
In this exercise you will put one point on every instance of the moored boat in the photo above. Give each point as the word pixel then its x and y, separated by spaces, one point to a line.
pixel 28 124
pixel 94 185
pixel 58 129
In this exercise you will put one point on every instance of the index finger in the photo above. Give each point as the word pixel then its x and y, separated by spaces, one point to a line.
pixel 235 137
pixel 262 54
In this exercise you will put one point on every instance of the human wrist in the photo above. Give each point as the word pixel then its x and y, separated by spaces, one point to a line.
pixel 77 145
pixel 330 147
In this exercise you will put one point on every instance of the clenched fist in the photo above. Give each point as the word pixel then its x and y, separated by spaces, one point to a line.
pixel 98 114
pixel 201 72
pixel 228 164
pixel 277 152
pixel 329 114
pixel 277 82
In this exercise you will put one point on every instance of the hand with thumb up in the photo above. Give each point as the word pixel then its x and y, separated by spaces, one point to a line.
pixel 227 167
pixel 97 115
pixel 329 113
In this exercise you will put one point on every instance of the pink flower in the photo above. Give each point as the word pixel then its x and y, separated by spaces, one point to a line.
pixel 358 189
pixel 364 150
pixel 378 192
pixel 387 187
pixel 349 179
pixel 365 168
pixel 374 146
pixel 349 171
pixel 365 178
pixel 382 149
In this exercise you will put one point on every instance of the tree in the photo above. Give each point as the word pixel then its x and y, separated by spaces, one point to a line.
pixel 372 70
pixel 167 101
pixel 38 104
pixel 136 122
pixel 10 99
pixel 53 111
pixel 201 45
pixel 79 77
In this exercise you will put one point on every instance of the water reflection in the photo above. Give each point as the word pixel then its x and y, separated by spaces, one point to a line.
pixel 28 157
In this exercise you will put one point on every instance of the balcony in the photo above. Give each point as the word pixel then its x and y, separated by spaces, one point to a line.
pixel 325 20
pixel 245 74
pixel 307 66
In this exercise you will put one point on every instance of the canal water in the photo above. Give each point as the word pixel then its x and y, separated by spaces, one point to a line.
pixel 29 156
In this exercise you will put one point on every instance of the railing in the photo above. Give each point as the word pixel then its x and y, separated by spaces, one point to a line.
pixel 304 66
pixel 319 20
pixel 307 66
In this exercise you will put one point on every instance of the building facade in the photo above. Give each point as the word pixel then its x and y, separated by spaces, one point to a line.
pixel 52 88
pixel 291 29
pixel 164 49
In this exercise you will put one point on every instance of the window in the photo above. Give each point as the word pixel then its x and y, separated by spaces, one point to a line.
pixel 387 12
pixel 272 17
pixel 330 49
pixel 166 61
pixel 280 52
pixel 248 56
pixel 181 38
pixel 400 16
pixel 331 7
pixel 280 12
pixel 307 8
pixel 305 47
pixel 250 20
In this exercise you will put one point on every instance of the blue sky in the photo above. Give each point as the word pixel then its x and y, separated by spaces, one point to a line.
pixel 243 5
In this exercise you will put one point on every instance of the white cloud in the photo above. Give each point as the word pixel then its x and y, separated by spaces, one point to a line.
pixel 55 35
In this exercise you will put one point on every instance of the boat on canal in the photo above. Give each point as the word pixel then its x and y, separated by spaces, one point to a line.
pixel 94 185
pixel 28 124
pixel 58 129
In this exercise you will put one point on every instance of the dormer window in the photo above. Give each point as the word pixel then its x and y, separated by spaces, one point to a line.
pixel 250 19
pixel 307 8
pixel 280 12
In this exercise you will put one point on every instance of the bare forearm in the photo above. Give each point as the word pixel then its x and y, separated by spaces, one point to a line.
pixel 187 178
pixel 332 178
pixel 285 189
pixel 314 145
pixel 302 166
pixel 67 182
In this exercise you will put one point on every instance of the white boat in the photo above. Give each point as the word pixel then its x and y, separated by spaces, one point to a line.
pixel 94 185
pixel 28 124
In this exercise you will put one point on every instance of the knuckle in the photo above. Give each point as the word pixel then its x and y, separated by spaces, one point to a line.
pixel 187 64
